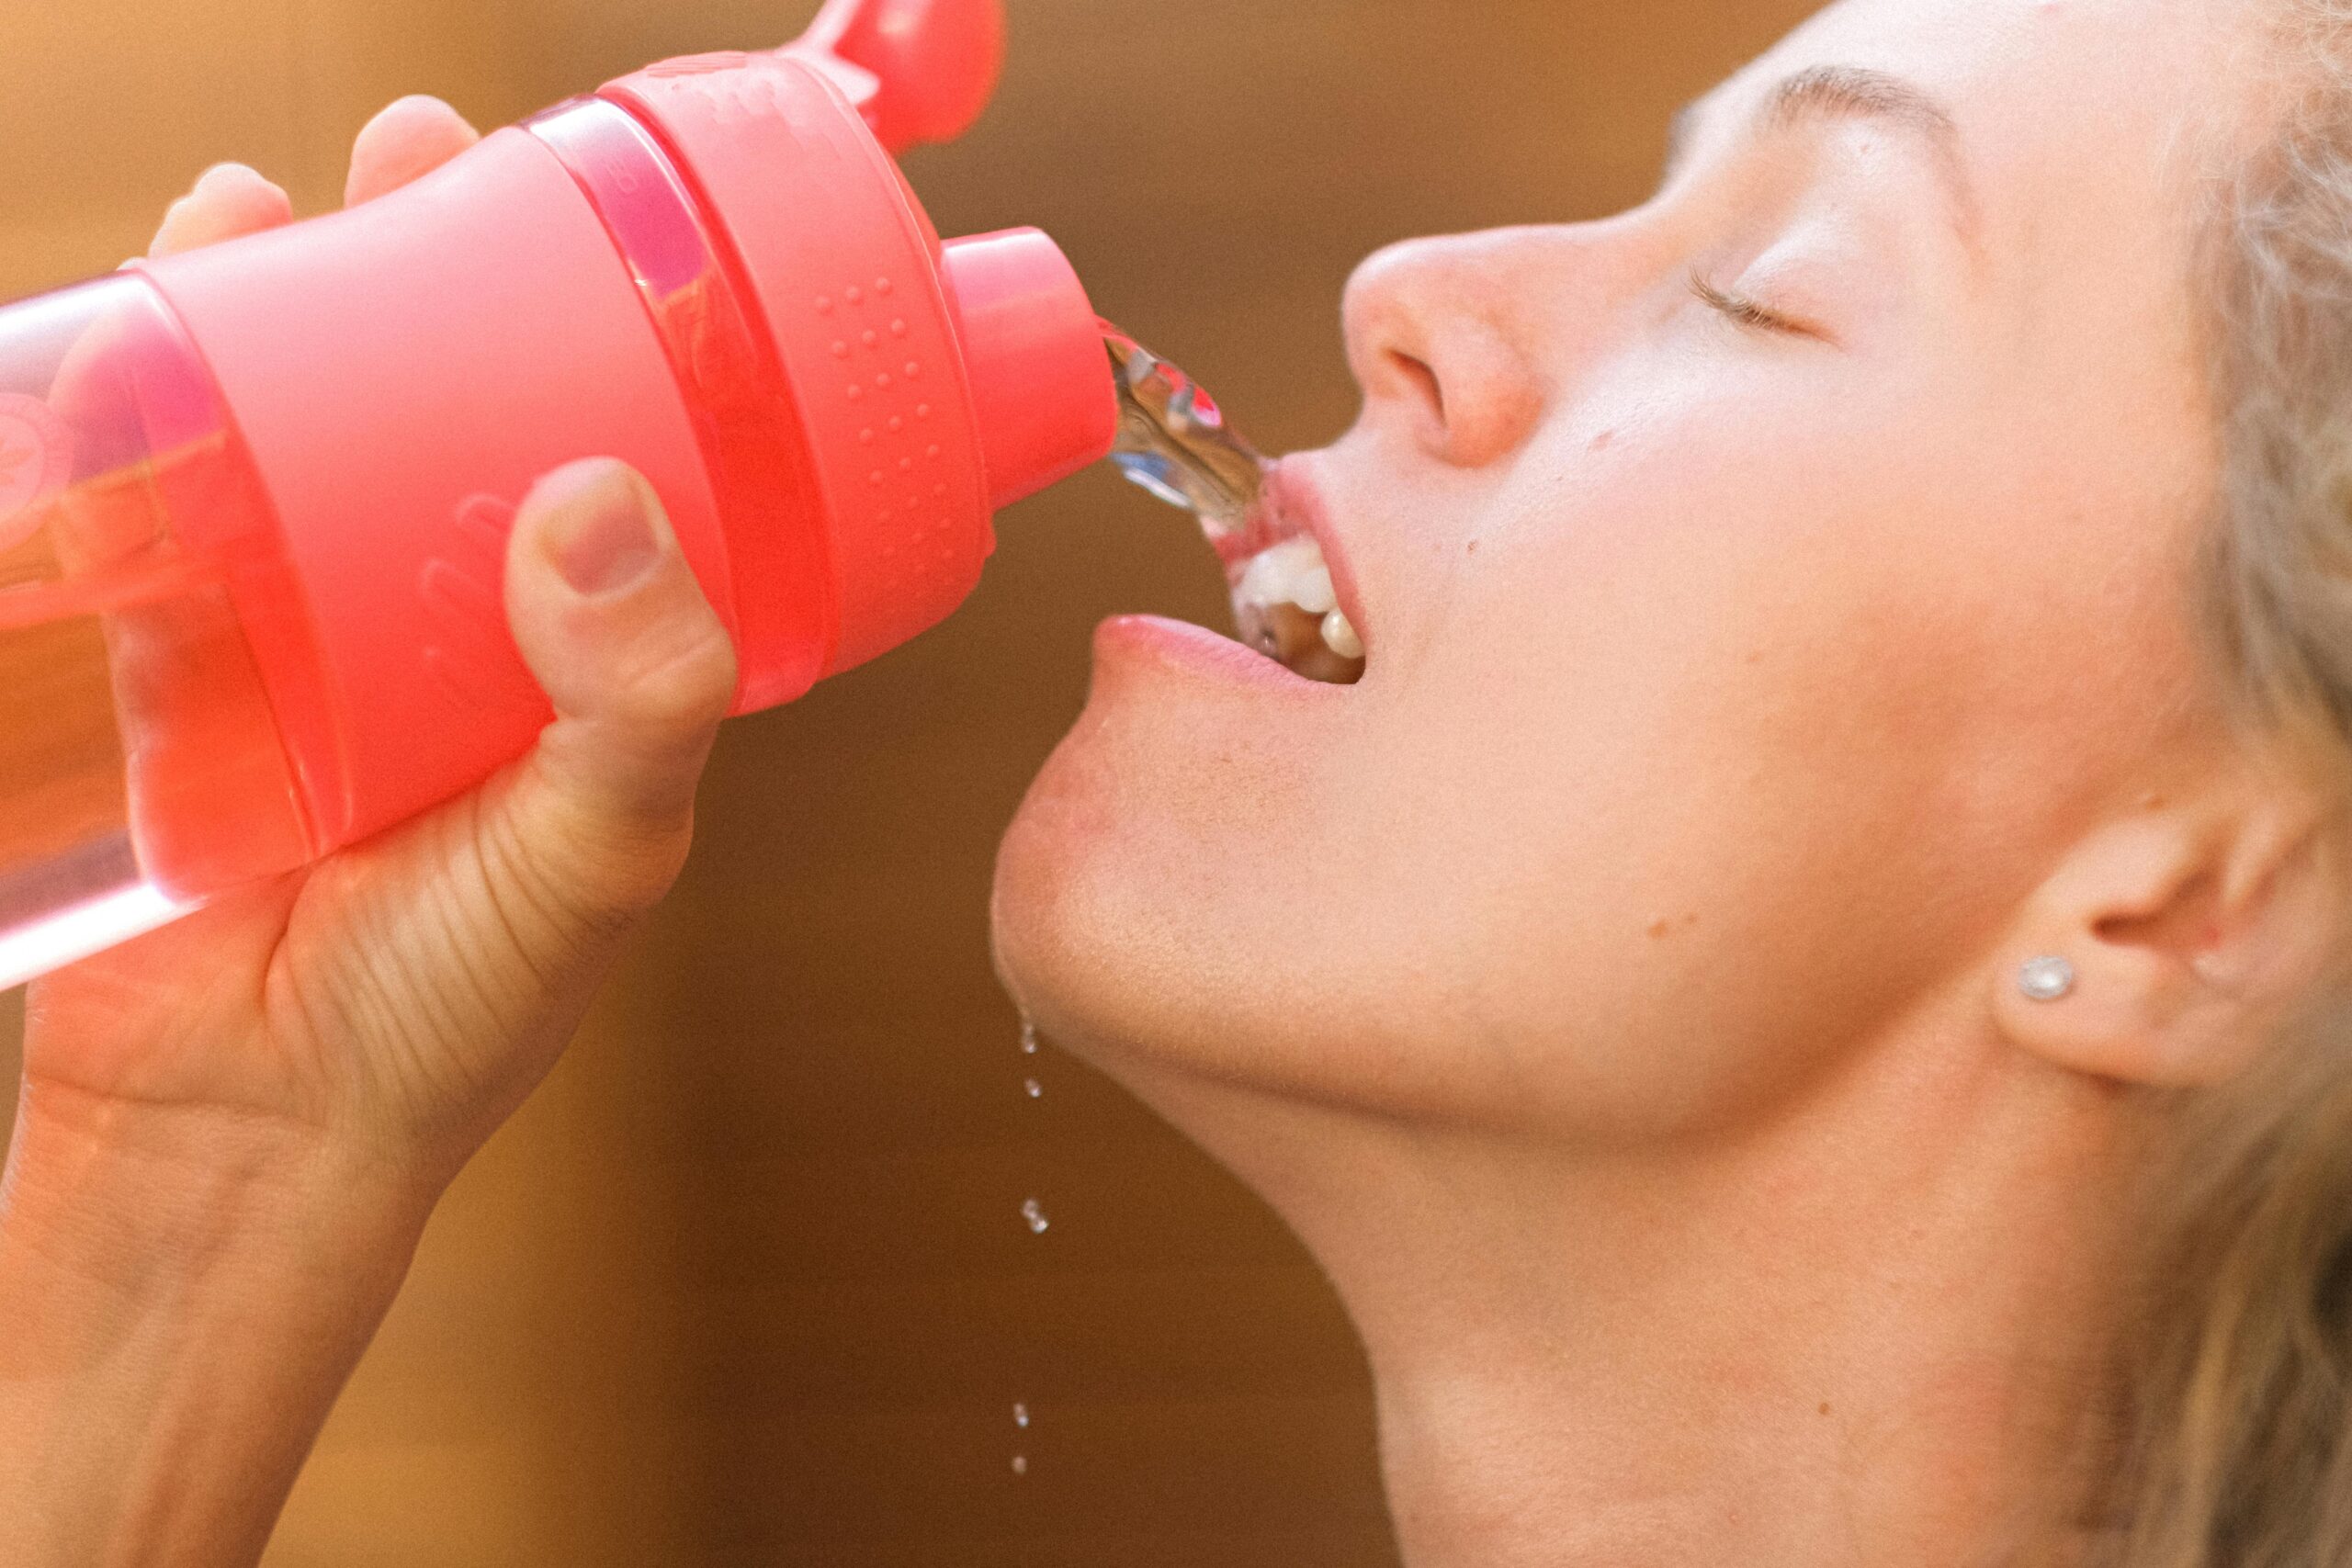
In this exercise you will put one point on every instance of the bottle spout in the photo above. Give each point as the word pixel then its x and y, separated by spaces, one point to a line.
pixel 1033 349
pixel 920 71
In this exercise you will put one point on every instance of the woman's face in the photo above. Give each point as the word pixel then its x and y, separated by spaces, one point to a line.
pixel 1761 590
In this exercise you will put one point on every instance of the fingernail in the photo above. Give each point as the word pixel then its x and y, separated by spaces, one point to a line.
pixel 601 539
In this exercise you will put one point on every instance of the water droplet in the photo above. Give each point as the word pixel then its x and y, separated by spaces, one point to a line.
pixel 1028 1037
pixel 1034 1212
pixel 1020 1464
pixel 1037 1090
pixel 1021 1416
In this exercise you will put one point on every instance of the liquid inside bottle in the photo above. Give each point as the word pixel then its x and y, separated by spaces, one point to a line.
pixel 139 766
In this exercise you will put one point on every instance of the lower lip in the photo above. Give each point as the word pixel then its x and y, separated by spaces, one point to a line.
pixel 1196 650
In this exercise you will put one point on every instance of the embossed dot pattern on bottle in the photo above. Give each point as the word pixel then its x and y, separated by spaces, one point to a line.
pixel 861 325
pixel 924 537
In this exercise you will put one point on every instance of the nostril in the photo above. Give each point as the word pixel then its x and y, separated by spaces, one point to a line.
pixel 1418 374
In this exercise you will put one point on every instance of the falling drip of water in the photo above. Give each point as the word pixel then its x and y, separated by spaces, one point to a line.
pixel 1033 1213
pixel 1173 440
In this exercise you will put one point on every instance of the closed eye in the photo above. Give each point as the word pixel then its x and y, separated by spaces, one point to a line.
pixel 1746 312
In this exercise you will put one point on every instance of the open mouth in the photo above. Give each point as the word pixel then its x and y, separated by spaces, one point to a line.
pixel 1174 441
pixel 1286 608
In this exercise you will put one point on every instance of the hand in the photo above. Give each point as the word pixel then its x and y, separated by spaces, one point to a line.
pixel 231 1131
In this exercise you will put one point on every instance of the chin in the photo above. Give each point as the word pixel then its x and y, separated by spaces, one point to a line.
pixel 1148 913
pixel 1085 932
pixel 1140 912
pixel 1146 954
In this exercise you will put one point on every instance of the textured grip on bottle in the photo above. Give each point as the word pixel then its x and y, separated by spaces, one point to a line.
pixel 841 269
pixel 779 592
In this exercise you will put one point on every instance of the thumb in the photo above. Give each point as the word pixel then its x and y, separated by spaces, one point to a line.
pixel 612 622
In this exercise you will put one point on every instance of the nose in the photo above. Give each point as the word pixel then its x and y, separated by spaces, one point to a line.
pixel 1441 337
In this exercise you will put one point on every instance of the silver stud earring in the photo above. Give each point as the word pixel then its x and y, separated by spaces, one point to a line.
pixel 2047 980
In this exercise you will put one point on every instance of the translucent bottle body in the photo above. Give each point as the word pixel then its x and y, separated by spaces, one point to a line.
pixel 140 770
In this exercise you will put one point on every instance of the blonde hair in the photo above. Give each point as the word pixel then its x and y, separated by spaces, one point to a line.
pixel 2237 1424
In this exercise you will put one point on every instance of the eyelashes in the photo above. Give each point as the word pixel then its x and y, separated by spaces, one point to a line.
pixel 1743 312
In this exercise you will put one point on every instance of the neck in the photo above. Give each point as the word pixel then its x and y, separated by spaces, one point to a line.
pixel 1865 1329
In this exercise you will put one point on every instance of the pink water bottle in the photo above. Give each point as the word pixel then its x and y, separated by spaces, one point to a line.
pixel 253 500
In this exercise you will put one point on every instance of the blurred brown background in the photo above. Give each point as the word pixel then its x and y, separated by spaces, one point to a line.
pixel 748 1282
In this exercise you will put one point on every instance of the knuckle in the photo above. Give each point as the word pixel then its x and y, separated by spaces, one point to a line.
pixel 611 877
pixel 580 889
pixel 683 680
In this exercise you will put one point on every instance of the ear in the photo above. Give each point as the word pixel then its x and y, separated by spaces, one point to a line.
pixel 2193 931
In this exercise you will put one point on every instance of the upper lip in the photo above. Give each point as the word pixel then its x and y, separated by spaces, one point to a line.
pixel 1292 505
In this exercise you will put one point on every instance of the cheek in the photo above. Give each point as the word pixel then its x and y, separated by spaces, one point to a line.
pixel 1711 763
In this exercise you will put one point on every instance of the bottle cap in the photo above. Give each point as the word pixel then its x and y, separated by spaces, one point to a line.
pixel 921 71
pixel 1033 349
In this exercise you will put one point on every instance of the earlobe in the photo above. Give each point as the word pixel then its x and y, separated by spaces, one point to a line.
pixel 2167 946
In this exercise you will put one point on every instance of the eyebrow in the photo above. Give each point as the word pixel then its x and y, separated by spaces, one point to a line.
pixel 1826 93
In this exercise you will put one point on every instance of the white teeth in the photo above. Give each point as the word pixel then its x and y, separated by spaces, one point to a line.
pixel 1285 606
pixel 1314 592
pixel 1292 572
